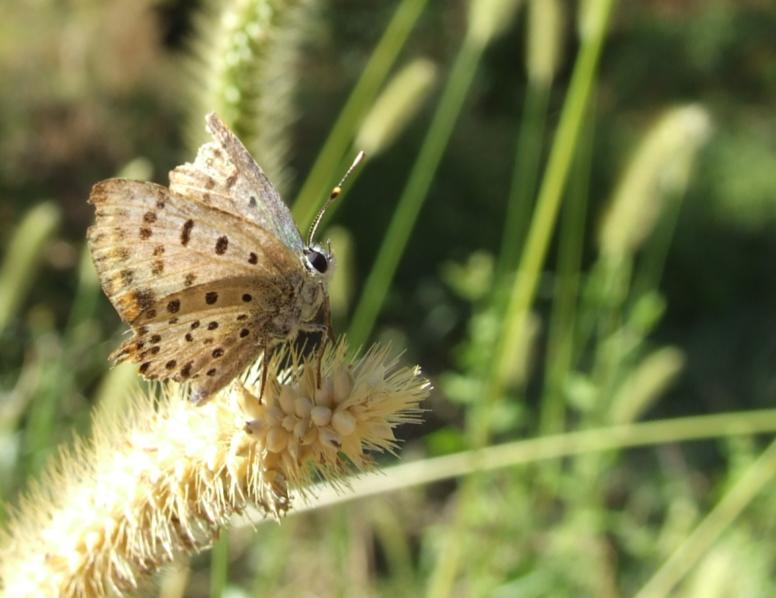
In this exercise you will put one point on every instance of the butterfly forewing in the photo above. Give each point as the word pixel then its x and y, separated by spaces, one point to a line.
pixel 225 175
pixel 168 264
pixel 148 243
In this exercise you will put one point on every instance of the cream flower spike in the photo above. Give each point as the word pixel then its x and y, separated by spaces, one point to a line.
pixel 163 480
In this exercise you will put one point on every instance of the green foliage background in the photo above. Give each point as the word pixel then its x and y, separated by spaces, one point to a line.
pixel 676 323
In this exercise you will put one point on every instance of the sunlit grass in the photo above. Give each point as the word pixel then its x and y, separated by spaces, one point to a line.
pixel 487 19
pixel 326 168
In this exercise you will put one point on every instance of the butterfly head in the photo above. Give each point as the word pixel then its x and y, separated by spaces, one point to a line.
pixel 319 260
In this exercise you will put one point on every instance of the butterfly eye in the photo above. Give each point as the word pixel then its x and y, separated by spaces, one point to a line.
pixel 318 260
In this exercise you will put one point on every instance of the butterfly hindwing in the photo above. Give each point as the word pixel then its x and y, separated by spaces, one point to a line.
pixel 207 347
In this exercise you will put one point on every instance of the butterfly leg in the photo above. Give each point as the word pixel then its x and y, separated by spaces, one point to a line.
pixel 318 356
pixel 265 359
pixel 318 375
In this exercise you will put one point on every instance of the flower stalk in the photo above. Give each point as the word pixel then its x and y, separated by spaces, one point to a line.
pixel 244 64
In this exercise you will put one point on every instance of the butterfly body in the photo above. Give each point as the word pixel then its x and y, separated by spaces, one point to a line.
pixel 210 272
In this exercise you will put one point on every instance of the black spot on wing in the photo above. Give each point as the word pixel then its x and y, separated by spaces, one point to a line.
pixel 186 232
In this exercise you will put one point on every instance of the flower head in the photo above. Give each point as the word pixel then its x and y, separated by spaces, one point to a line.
pixel 321 419
pixel 162 480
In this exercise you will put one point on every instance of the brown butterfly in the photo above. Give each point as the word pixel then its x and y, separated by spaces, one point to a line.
pixel 210 272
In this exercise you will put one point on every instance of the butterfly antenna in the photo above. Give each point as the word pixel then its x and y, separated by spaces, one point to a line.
pixel 335 193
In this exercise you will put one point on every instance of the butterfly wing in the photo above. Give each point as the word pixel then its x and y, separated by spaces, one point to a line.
pixel 207 346
pixel 226 176
pixel 167 263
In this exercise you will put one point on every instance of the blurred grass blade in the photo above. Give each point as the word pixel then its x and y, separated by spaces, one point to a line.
pixel 542 448
pixel 219 564
pixel 524 176
pixel 482 29
pixel 341 282
pixel 397 105
pixel 23 255
pixel 116 388
pixel 544 44
pixel 488 19
pixel 393 537
pixel 244 66
pixel 727 570
pixel 588 22
pixel 523 356
pixel 660 166
pixel 548 202
pixel 174 579
pixel 659 170
pixel 87 292
pixel 139 169
pixel 325 168
pixel 563 324
pixel 645 384
pixel 751 483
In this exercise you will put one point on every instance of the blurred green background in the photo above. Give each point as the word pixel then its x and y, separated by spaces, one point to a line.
pixel 622 161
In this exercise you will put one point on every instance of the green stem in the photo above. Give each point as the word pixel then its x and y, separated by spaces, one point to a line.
pixel 86 298
pixel 655 254
pixel 548 202
pixel 23 256
pixel 561 337
pixel 219 564
pixel 412 198
pixel 689 552
pixel 524 175
pixel 319 181
pixel 614 275
pixel 41 433
pixel 543 448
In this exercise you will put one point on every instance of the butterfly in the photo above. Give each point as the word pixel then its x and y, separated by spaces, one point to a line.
pixel 210 272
